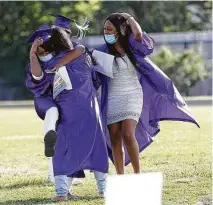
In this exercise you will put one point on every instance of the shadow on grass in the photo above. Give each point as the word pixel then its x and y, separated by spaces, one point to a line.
pixel 25 184
pixel 26 202
pixel 85 198
pixel 46 201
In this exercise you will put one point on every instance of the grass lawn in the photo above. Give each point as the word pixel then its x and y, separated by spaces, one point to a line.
pixel 181 151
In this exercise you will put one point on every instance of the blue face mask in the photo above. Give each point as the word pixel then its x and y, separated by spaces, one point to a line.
pixel 110 38
pixel 45 58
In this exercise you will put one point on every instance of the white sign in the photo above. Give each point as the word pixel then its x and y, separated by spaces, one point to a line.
pixel 134 189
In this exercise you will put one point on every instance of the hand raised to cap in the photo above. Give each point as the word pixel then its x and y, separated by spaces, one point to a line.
pixel 35 45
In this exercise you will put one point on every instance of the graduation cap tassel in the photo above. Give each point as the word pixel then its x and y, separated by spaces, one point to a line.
pixel 82 29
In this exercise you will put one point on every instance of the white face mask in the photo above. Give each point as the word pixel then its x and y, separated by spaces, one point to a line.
pixel 45 58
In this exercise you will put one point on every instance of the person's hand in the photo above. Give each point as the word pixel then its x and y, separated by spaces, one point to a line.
pixel 35 45
pixel 56 67
pixel 125 15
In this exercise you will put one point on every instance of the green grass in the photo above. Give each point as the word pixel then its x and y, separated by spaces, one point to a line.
pixel 198 98
pixel 181 151
pixel 30 102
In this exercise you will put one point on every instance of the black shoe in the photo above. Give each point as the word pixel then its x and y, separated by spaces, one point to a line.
pixel 49 143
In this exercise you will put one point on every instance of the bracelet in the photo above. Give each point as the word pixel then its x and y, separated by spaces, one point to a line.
pixel 38 78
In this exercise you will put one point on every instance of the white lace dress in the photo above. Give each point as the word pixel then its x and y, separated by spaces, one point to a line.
pixel 125 96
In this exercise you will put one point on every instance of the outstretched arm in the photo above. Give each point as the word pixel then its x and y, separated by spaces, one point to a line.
pixel 70 56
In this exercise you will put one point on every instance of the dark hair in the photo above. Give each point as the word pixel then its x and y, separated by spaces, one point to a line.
pixel 47 46
pixel 59 41
pixel 69 32
pixel 119 22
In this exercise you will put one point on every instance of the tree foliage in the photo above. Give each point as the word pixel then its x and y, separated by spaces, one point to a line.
pixel 162 16
pixel 18 19
pixel 185 69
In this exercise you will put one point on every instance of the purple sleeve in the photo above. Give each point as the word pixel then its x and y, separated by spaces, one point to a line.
pixel 97 78
pixel 143 47
pixel 37 87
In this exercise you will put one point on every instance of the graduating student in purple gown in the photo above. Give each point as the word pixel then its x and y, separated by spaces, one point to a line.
pixel 138 96
pixel 80 143
pixel 133 104
pixel 51 113
pixel 45 106
pixel 66 24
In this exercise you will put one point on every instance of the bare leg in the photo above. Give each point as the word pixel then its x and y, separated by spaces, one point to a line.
pixel 128 131
pixel 117 151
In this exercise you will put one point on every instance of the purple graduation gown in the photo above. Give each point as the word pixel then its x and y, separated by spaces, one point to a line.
pixel 42 89
pixel 80 143
pixel 161 99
